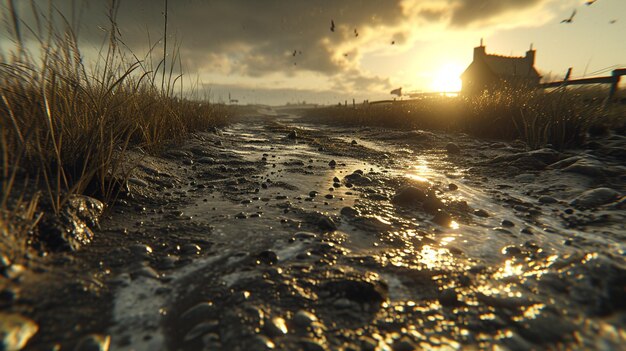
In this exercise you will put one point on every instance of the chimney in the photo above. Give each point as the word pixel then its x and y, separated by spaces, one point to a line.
pixel 530 56
pixel 479 51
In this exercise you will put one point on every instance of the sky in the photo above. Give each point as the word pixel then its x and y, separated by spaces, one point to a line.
pixel 276 52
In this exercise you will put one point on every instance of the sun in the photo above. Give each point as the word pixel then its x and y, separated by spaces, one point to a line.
pixel 447 79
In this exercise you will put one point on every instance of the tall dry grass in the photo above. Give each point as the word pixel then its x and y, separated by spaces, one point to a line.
pixel 65 127
pixel 559 118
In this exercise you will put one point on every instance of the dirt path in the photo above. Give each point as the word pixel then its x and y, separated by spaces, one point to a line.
pixel 279 234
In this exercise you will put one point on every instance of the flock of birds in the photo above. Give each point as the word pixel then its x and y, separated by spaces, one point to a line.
pixel 570 19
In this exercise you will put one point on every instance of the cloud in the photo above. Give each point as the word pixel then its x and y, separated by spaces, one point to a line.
pixel 261 38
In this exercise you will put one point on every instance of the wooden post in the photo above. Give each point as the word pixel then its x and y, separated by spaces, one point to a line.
pixel 616 74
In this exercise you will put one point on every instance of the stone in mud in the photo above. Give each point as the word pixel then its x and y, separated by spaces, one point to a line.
pixel 362 292
pixel 268 257
pixel 138 181
pixel 326 223
pixel 350 212
pixel 94 342
pixel 587 166
pixel 332 163
pixel 276 327
pixel 442 218
pixel 595 197
pixel 357 179
pixel 449 297
pixel 303 319
pixel 452 187
pixel 453 148
pixel 403 344
pixel 409 196
pixel 70 229
pixel 15 331
pixel 507 223
pixel 481 213
pixel 304 236
pixel 545 199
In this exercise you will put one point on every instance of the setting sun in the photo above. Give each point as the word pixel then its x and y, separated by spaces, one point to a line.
pixel 447 78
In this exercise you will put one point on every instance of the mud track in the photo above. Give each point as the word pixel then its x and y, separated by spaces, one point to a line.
pixel 278 234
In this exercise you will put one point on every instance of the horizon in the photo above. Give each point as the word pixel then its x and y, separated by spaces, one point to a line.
pixel 277 53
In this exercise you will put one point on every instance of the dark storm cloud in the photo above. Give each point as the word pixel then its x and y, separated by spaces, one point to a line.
pixel 260 37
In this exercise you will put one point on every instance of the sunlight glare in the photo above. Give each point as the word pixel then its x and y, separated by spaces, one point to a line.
pixel 447 78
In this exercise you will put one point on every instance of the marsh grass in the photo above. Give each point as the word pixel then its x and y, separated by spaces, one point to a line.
pixel 65 127
pixel 559 118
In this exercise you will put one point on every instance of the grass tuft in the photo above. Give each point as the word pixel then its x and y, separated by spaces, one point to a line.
pixel 66 127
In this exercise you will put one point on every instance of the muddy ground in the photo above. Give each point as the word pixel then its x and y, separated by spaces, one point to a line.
pixel 275 233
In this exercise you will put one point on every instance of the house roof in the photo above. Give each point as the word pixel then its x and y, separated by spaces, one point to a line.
pixel 510 66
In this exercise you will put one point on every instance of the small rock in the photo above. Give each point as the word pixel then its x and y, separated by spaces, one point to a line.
pixel 547 200
pixel 448 298
pixel 268 257
pixel 140 250
pixel 138 181
pixel 587 166
pixel 452 187
pixel 94 342
pixel 350 212
pixel 332 163
pixel 313 193
pixel 15 331
pixel 453 148
pixel 511 251
pixel 595 197
pixel 276 327
pixel 507 223
pixel 303 319
pixel 481 213
pixel 408 196
pixel 358 179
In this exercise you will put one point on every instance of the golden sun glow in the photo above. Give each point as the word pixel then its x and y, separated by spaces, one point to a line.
pixel 447 78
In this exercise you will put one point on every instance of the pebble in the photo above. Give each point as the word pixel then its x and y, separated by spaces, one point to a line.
pixel 15 331
pixel 94 342
pixel 481 213
pixel 452 187
pixel 547 200
pixel 303 319
pixel 349 212
pixel 453 148
pixel 140 250
pixel 332 163
pixel 313 193
pixel 408 196
pixel 595 197
pixel 276 327
pixel 448 297
pixel 507 223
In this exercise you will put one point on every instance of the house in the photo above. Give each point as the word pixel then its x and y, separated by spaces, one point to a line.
pixel 493 72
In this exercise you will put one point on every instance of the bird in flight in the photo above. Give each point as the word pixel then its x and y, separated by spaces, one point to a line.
pixel 332 25
pixel 590 2
pixel 356 34
pixel 294 53
pixel 571 17
pixel 612 21
pixel 393 42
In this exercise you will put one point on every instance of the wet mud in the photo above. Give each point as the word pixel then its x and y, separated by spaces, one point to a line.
pixel 279 234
